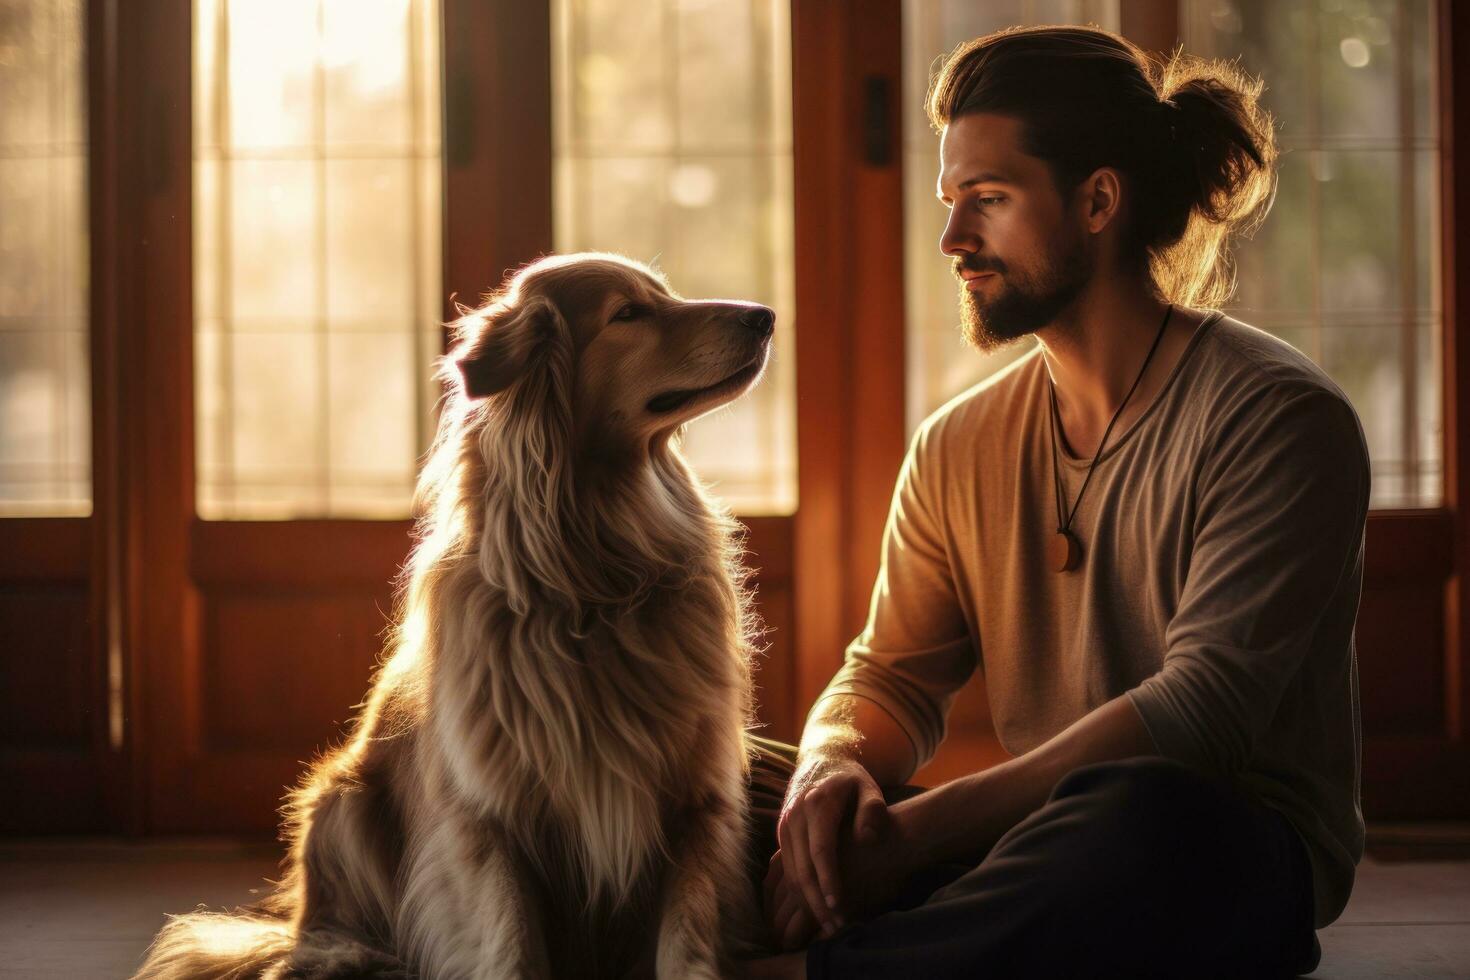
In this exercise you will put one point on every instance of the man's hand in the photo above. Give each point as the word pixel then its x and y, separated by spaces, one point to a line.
pixel 830 797
pixel 873 874
pixel 791 921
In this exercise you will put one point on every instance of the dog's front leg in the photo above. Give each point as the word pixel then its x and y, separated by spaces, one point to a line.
pixel 470 912
pixel 512 944
pixel 703 888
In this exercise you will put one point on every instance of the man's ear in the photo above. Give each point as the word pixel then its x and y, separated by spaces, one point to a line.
pixel 1104 192
pixel 513 339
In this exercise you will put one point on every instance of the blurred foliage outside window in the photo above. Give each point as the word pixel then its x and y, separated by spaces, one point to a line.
pixel 1347 265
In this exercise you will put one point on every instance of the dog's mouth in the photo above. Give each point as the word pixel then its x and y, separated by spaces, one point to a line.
pixel 672 401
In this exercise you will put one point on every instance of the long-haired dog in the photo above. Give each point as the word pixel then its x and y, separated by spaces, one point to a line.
pixel 548 777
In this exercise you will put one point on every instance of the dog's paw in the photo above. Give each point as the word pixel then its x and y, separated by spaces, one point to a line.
pixel 700 971
pixel 368 971
pixel 332 956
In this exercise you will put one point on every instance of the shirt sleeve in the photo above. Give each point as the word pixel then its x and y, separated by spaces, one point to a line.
pixel 1282 501
pixel 915 652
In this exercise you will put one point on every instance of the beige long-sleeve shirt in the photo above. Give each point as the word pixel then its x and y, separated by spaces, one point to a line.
pixel 1222 539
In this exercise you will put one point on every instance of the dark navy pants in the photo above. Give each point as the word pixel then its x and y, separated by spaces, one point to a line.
pixel 1139 867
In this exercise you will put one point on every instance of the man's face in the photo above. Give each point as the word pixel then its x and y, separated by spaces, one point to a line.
pixel 1020 255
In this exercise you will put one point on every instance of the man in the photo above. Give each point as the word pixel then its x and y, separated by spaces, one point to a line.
pixel 1147 534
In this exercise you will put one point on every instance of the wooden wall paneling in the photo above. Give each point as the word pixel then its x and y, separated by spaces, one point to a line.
pixel 53 752
pixel 153 307
pixel 846 86
pixel 44 549
pixel 339 554
pixel 1401 625
pixel 47 696
pixel 1454 108
pixel 1400 672
pixel 875 259
pixel 115 511
pixel 497 142
pixel 285 668
pixel 1153 25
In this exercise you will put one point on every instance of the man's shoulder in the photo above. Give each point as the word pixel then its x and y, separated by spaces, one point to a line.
pixel 1240 358
pixel 1258 383
pixel 976 409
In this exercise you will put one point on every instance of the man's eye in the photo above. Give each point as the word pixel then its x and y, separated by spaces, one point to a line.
pixel 987 201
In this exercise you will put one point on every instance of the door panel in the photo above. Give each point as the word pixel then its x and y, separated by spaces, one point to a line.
pixel 53 693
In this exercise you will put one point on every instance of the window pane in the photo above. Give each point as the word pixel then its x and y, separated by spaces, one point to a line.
pixel 1347 265
pixel 940 365
pixel 672 125
pixel 317 265
pixel 1274 270
pixel 45 379
pixel 1359 68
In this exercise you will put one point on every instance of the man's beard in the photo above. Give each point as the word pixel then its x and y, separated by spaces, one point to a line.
pixel 1023 306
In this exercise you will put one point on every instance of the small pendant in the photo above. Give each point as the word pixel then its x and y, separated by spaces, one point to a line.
pixel 1065 551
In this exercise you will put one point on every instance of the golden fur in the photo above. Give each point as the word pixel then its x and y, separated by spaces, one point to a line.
pixel 548 777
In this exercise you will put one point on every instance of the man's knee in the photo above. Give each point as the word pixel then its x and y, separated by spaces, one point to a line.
pixel 1138 780
pixel 1140 801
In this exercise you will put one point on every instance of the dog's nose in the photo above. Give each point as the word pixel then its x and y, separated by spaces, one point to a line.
pixel 760 319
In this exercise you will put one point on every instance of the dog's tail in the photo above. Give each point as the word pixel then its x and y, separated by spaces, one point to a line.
pixel 214 946
pixel 255 945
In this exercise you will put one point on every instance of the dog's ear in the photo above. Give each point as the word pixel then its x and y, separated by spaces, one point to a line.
pixel 514 337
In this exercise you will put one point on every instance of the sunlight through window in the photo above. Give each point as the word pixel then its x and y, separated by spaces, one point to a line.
pixel 317 254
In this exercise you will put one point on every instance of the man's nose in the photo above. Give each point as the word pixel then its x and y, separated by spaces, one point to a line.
pixel 956 238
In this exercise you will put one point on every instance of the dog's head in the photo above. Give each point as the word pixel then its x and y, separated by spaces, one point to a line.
pixel 555 451
pixel 628 358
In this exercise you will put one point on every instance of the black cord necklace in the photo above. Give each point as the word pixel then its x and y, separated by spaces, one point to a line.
pixel 1065 550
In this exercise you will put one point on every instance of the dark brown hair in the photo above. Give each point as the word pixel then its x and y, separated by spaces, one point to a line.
pixel 1197 151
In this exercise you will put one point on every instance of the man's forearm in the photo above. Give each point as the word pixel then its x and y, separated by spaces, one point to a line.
pixel 857 728
pixel 961 820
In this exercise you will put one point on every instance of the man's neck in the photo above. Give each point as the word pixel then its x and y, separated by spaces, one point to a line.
pixel 1094 352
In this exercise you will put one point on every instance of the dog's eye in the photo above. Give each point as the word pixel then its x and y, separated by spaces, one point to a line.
pixel 629 311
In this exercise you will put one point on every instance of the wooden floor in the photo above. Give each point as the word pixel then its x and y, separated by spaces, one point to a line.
pixel 80 910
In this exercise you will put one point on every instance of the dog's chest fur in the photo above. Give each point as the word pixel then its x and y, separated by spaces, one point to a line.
pixel 593 937
pixel 584 749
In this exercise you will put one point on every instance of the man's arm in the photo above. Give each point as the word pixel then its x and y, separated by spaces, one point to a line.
pixel 851 747
pixel 883 713
pixel 961 820
pixel 1275 574
pixel 857 728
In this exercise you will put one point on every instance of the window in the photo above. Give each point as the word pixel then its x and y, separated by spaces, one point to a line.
pixel 45 383
pixel 1347 265
pixel 672 145
pixel 317 265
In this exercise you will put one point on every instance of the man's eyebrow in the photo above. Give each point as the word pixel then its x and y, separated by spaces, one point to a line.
pixel 981 178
